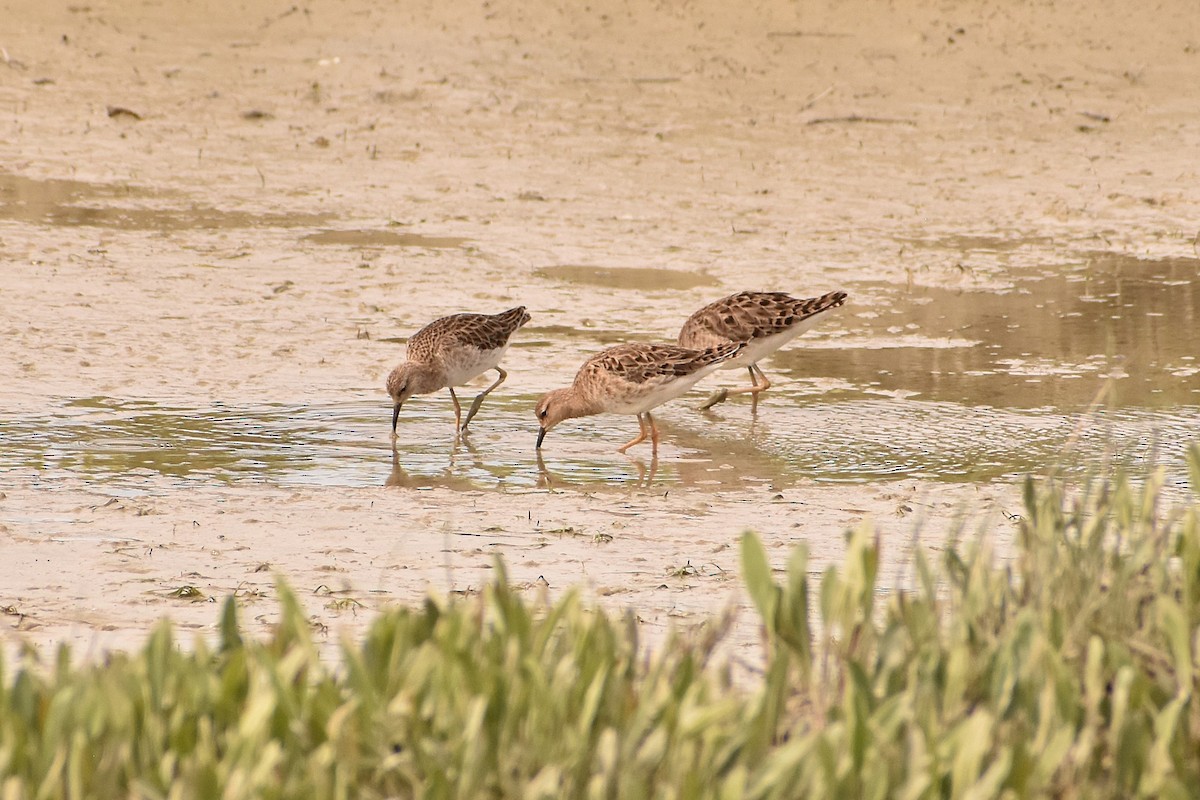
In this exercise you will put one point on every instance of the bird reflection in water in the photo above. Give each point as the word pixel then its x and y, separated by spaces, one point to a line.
pixel 645 473
pixel 448 478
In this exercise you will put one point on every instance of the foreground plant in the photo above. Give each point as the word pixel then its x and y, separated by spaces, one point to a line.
pixel 1068 670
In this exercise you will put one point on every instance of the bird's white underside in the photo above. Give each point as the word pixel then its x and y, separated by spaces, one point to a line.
pixel 469 363
pixel 653 393
pixel 757 349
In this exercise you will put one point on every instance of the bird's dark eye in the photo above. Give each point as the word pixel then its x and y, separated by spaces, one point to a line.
pixel 542 414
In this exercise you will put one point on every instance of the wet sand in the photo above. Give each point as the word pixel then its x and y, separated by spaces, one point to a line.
pixel 218 222
pixel 96 570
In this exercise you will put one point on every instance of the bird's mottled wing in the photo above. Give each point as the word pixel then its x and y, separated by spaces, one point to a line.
pixel 641 363
pixel 745 316
pixel 482 331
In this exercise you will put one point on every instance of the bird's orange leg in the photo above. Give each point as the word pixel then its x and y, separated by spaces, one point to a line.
pixel 641 437
pixel 653 435
pixel 479 400
pixel 457 410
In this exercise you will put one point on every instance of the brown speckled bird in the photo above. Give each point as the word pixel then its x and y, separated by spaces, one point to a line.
pixel 631 379
pixel 450 351
pixel 763 321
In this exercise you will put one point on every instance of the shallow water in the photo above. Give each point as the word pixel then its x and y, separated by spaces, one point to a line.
pixel 1052 341
pixel 1087 369
pixel 790 439
pixel 1085 365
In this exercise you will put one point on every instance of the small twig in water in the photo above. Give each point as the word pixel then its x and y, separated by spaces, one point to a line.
pixel 797 34
pixel 860 118
pixel 269 21
pixel 815 98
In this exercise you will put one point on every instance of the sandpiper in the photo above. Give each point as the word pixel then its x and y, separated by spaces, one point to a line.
pixel 450 351
pixel 631 379
pixel 764 321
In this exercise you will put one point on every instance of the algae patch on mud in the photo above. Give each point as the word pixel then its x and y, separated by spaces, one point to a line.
pixel 73 204
pixel 639 278
pixel 370 238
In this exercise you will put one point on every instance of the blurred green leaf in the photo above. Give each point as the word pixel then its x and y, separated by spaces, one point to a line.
pixel 756 572
pixel 1173 624
pixel 1193 462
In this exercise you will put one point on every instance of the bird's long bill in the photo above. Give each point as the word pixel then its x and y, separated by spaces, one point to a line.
pixel 541 435
pixel 395 416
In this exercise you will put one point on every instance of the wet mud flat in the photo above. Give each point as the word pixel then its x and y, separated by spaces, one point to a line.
pixel 201 298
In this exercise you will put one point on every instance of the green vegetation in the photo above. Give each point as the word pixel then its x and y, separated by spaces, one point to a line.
pixel 1067 670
